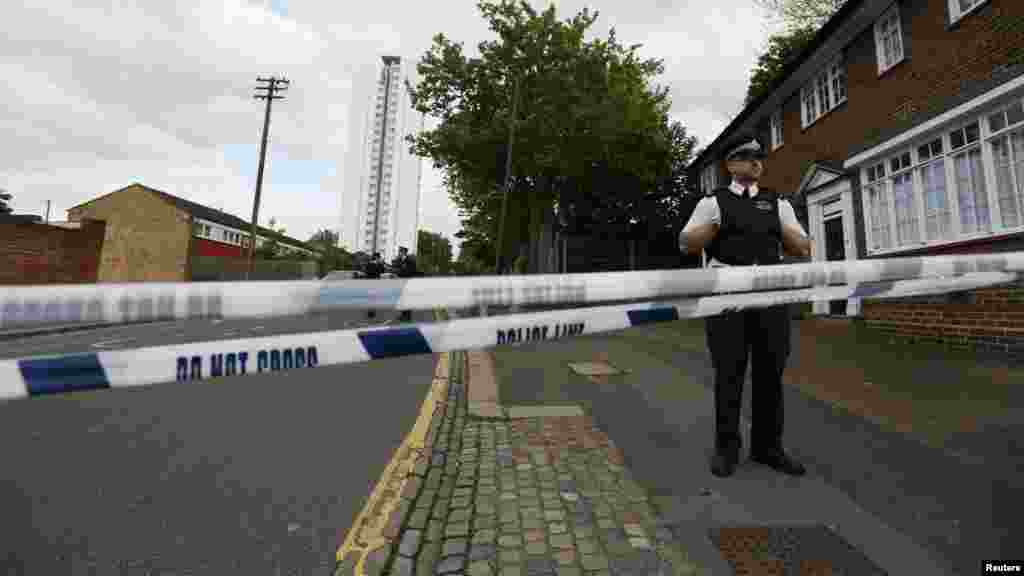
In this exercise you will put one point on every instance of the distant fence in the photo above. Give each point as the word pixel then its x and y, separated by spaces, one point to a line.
pixel 221 269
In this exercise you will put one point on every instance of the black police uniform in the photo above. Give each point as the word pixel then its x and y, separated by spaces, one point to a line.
pixel 749 233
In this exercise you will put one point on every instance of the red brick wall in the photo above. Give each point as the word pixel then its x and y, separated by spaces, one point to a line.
pixel 992 319
pixel 44 254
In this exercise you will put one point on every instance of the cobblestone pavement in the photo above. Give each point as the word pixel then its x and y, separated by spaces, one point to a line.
pixel 526 497
pixel 551 496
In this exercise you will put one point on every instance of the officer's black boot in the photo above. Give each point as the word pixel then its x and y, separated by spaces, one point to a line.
pixel 723 464
pixel 727 455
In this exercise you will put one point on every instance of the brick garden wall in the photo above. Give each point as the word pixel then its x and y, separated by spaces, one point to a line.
pixel 989 319
pixel 34 253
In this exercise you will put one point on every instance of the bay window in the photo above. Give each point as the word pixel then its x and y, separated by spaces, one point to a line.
pixel 966 181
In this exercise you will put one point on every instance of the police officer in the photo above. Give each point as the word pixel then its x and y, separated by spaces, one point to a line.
pixel 742 225
pixel 372 271
pixel 405 266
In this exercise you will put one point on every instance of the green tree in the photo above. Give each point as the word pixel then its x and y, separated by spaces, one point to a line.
pixel 332 256
pixel 782 48
pixel 592 136
pixel 271 248
pixel 433 253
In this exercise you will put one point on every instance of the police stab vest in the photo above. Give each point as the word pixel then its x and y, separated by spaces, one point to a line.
pixel 749 231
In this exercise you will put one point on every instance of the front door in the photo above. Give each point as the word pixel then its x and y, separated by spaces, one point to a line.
pixel 835 249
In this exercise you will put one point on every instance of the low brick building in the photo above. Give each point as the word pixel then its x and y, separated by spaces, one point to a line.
pixel 38 253
pixel 153 236
pixel 899 131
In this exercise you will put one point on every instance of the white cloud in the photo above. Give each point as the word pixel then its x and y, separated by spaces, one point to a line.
pixel 101 94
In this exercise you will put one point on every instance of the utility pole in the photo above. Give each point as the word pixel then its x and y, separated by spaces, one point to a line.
pixel 271 86
pixel 47 211
pixel 499 262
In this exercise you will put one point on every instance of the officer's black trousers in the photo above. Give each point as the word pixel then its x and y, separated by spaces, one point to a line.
pixel 763 336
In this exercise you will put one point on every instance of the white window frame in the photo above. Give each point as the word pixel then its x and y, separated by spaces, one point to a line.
pixel 957 234
pixel 776 130
pixel 829 80
pixel 956 13
pixel 891 16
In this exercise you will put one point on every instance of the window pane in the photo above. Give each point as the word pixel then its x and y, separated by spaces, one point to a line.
pixel 968 220
pixel 897 41
pixel 997 122
pixel 956 139
pixel 937 210
pixel 923 153
pixel 906 210
pixel 1015 114
pixel 879 210
pixel 980 190
pixel 1004 182
pixel 972 132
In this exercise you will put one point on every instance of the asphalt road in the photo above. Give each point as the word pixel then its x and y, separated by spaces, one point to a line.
pixel 177 332
pixel 256 475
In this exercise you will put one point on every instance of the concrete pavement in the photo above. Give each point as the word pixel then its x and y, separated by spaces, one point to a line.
pixel 255 475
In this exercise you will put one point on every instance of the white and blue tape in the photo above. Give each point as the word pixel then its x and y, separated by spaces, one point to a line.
pixel 29 306
pixel 202 360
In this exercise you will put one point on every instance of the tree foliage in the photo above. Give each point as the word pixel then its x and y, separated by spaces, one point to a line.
pixel 781 49
pixel 332 256
pixel 592 134
pixel 433 253
pixel 796 14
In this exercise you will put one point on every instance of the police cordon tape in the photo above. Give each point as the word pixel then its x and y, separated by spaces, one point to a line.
pixel 28 306
pixel 196 361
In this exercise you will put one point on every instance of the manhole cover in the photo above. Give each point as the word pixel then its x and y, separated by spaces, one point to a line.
pixel 791 551
pixel 594 369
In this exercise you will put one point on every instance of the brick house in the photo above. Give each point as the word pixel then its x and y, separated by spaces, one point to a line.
pixel 155 236
pixel 899 131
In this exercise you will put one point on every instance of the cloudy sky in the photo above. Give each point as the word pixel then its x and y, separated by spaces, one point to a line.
pixel 104 93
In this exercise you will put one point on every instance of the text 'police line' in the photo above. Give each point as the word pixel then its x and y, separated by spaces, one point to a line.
pixel 232 363
pixel 539 333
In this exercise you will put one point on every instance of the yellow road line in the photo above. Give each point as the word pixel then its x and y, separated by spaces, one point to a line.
pixel 367 533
